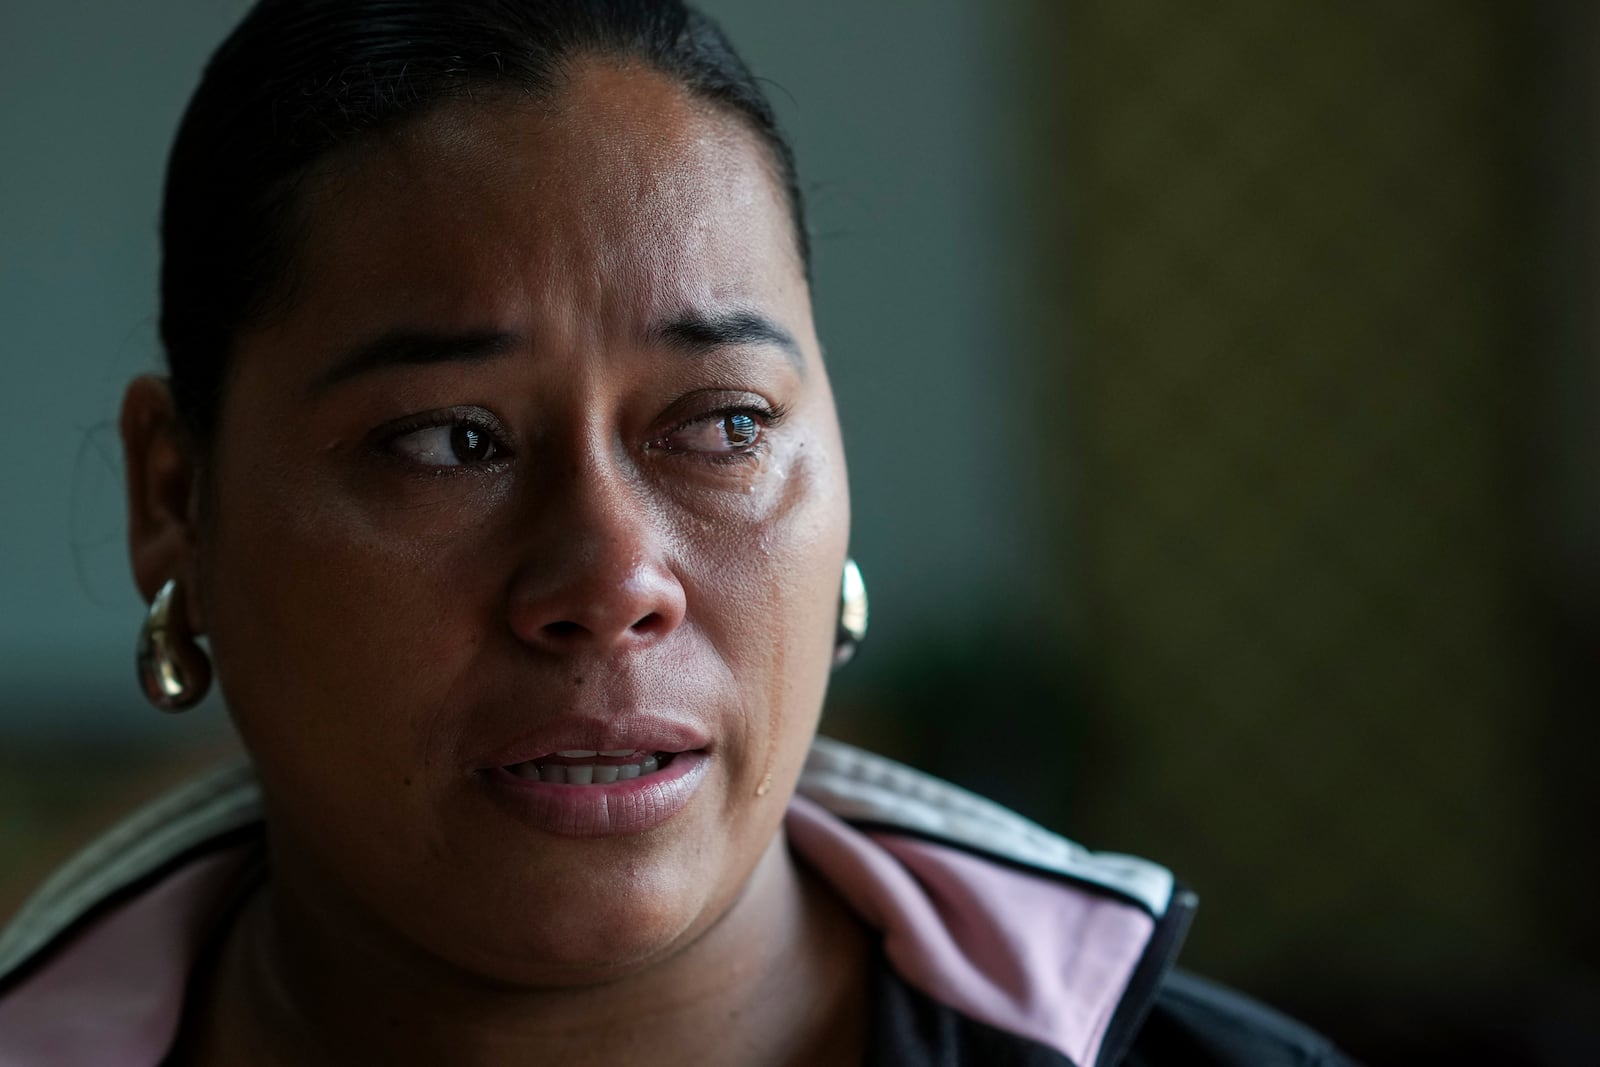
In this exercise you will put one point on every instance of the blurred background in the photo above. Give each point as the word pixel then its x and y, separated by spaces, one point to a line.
pixel 1220 387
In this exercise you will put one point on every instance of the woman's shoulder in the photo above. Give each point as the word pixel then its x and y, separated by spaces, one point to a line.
pixel 205 814
pixel 113 935
pixel 895 801
pixel 1004 942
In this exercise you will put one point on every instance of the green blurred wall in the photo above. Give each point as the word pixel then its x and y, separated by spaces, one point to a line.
pixel 1290 244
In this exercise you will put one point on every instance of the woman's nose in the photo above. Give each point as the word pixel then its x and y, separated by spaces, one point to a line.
pixel 594 577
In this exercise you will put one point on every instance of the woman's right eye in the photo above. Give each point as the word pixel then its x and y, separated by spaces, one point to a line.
pixel 448 444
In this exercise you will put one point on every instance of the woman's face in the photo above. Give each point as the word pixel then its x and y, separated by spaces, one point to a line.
pixel 542 458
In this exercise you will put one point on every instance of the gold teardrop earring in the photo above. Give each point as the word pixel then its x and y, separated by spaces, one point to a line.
pixel 174 670
pixel 852 626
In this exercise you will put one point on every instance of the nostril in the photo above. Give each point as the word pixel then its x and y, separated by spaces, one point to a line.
pixel 566 630
pixel 563 628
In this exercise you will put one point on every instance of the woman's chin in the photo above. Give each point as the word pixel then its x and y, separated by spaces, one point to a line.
pixel 581 933
pixel 549 960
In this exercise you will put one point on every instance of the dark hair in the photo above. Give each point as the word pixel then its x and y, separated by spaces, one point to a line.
pixel 299 78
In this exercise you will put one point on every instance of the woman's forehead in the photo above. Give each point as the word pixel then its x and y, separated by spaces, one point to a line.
pixel 624 195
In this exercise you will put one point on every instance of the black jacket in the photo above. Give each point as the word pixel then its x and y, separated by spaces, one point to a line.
pixel 1190 1022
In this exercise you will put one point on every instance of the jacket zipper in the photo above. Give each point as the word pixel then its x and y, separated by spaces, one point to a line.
pixel 1158 960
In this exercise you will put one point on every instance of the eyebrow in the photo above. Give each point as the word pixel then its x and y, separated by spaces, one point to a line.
pixel 415 348
pixel 692 332
pixel 699 334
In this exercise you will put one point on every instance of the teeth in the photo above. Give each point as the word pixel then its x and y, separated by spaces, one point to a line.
pixel 587 773
pixel 616 753
pixel 580 753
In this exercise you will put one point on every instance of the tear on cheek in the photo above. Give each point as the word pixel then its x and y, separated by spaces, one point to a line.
pixel 791 486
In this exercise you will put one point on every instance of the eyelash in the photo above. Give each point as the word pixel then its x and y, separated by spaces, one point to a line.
pixel 452 418
pixel 766 418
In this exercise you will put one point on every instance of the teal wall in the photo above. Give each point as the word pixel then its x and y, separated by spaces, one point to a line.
pixel 893 106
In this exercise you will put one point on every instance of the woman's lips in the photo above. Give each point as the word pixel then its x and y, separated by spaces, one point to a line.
pixel 634 800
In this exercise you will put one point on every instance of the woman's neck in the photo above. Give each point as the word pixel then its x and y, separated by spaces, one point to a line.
pixel 780 979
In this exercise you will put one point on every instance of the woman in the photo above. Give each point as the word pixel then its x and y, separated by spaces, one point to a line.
pixel 499 468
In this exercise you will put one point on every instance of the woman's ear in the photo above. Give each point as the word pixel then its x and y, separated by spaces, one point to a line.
pixel 163 474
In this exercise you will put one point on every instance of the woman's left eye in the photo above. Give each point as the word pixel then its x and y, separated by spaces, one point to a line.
pixel 450 444
pixel 726 433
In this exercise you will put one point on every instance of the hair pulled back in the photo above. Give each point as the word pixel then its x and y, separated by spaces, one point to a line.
pixel 299 78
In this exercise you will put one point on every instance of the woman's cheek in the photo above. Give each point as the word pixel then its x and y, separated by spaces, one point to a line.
pixel 340 619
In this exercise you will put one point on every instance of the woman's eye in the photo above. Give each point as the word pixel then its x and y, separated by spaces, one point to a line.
pixel 728 433
pixel 456 444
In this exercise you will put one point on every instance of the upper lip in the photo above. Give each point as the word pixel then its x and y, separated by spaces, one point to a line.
pixel 637 730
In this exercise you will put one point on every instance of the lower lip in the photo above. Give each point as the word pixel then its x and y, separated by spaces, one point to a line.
pixel 629 807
